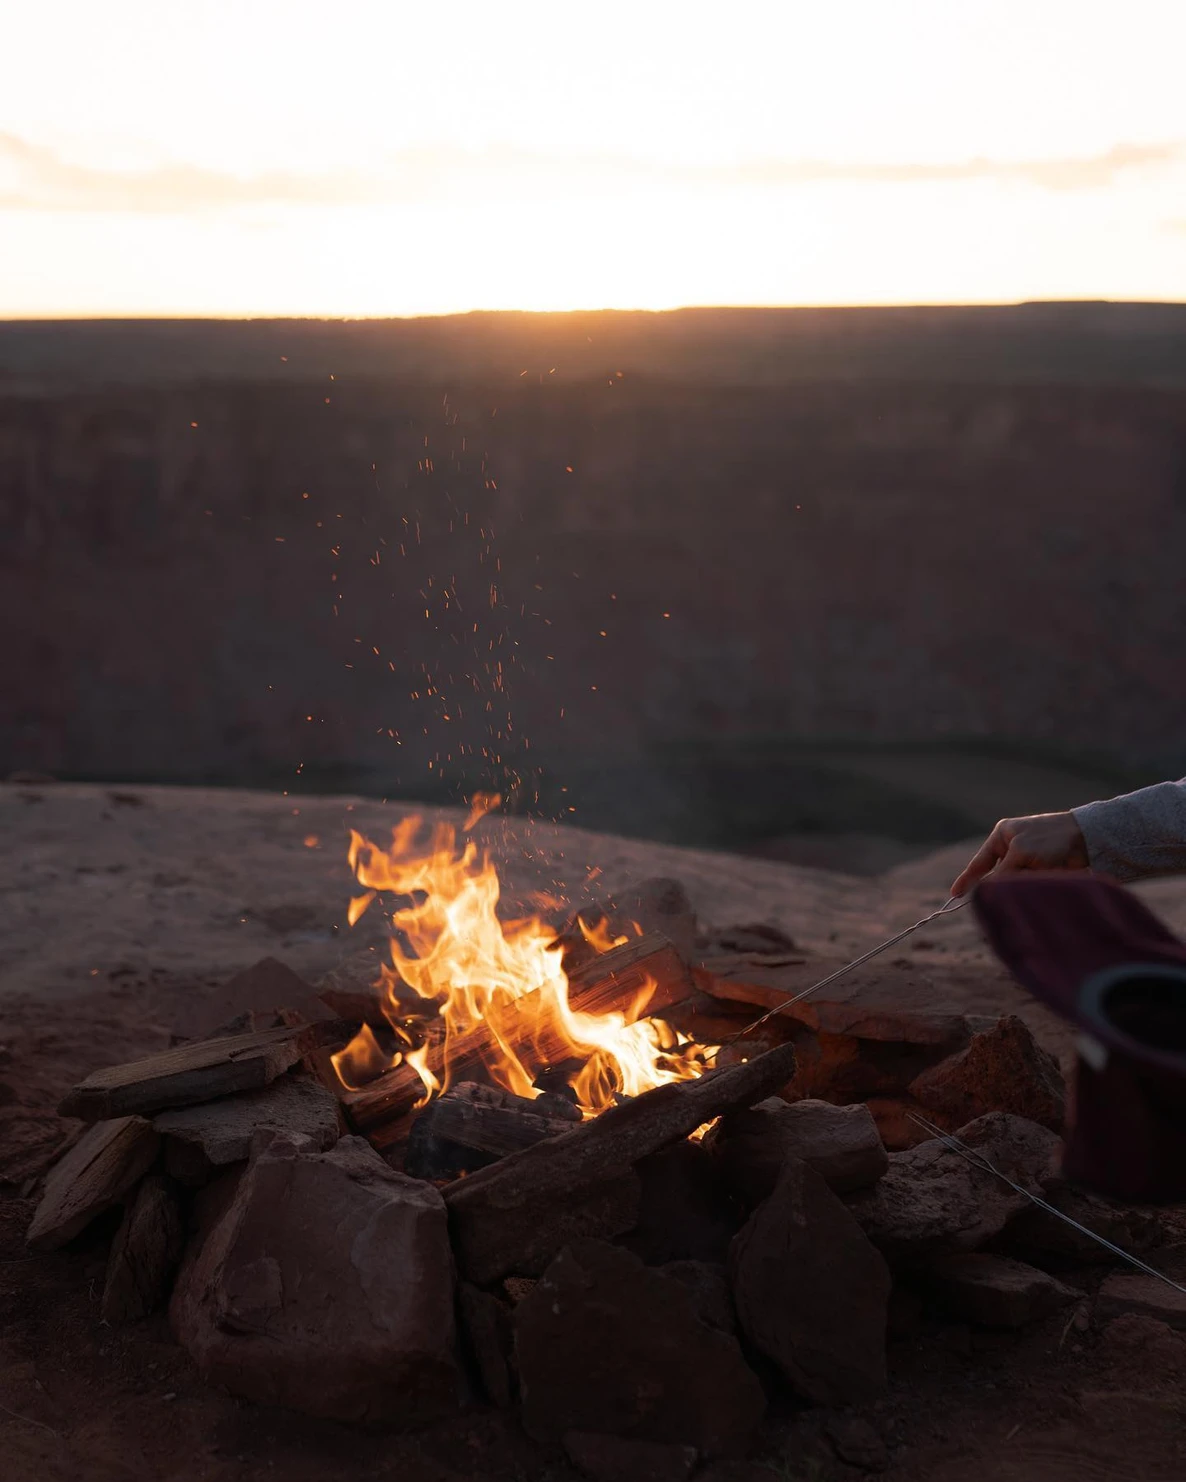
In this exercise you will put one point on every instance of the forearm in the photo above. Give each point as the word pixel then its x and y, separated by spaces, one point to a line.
pixel 1142 833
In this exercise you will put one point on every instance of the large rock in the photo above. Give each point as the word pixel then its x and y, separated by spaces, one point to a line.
pixel 199 1139
pixel 101 1169
pixel 1133 1293
pixel 933 1200
pixel 1003 1068
pixel 607 1345
pixel 994 1291
pixel 325 1285
pixel 840 1142
pixel 812 1292
pixel 884 1001
pixel 510 1219
pixel 1037 1235
pixel 619 1459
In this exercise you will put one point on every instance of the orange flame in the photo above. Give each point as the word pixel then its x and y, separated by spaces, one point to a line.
pixel 498 984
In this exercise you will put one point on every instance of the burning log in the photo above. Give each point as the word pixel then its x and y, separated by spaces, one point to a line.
pixel 192 1073
pixel 617 980
pixel 514 1216
pixel 471 1126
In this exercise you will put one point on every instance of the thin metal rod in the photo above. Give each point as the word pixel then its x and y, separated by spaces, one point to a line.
pixel 947 909
pixel 978 1160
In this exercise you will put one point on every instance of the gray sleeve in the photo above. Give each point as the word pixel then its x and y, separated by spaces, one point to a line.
pixel 1142 833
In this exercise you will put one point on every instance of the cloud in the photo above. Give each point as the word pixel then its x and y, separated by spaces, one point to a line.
pixel 34 177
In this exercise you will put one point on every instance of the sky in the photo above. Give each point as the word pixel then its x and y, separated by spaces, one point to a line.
pixel 371 157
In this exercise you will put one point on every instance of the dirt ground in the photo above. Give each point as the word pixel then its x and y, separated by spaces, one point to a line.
pixel 122 906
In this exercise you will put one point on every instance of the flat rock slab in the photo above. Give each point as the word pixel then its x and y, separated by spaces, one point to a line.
pixel 1132 1292
pixel 606 1344
pixel 511 1218
pixel 880 1002
pixel 144 1254
pixel 841 1143
pixel 187 1074
pixel 811 1291
pixel 1002 1068
pixel 100 1170
pixel 932 1200
pixel 995 1291
pixel 325 1285
pixel 199 1139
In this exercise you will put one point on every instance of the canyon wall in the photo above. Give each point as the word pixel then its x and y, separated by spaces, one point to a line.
pixel 413 585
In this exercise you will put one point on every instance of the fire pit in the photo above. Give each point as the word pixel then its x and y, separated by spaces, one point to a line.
pixel 486 1174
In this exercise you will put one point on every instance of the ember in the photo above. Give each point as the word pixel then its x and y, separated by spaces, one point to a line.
pixel 503 982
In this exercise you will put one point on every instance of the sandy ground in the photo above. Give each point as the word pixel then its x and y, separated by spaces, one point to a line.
pixel 120 905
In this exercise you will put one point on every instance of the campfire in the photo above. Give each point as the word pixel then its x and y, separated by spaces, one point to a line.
pixel 481 1174
pixel 469 997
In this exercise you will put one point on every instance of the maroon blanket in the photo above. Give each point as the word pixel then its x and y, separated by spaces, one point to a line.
pixel 1097 956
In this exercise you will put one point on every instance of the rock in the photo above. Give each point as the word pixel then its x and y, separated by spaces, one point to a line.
pixel 856 1442
pixel 840 1142
pixel 811 1292
pixel 259 992
pixel 1002 1069
pixel 144 1254
pixel 884 1001
pixel 709 1286
pixel 994 1291
pixel 1035 1234
pixel 685 1212
pixel 513 1217
pixel 895 1123
pixel 842 1069
pixel 932 1200
pixel 324 1284
pixel 1145 1339
pixel 605 1342
pixel 1132 1292
pixel 617 1459
pixel 485 1324
pixel 199 1139
pixel 102 1167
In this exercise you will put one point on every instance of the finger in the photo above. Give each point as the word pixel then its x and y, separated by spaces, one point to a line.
pixel 993 849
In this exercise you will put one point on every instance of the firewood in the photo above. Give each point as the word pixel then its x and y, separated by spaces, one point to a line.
pixel 503 1217
pixel 144 1254
pixel 192 1073
pixel 614 981
pixel 98 1171
pixel 471 1126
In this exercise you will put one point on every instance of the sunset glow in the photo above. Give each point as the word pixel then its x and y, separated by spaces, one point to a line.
pixel 373 158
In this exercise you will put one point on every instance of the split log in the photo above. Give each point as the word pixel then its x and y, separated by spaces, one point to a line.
pixel 472 1126
pixel 192 1073
pixel 145 1253
pixel 506 1218
pixel 102 1167
pixel 613 981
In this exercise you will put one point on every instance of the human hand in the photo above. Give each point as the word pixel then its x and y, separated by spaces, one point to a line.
pixel 1044 841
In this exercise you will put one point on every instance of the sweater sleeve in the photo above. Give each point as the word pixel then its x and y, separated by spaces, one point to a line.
pixel 1142 833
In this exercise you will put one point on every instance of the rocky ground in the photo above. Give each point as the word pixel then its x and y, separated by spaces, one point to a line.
pixel 124 907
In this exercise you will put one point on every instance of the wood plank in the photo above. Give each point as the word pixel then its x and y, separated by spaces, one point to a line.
pixel 102 1167
pixel 611 982
pixel 145 1253
pixel 192 1073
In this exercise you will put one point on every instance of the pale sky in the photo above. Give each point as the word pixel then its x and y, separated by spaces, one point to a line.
pixel 372 157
